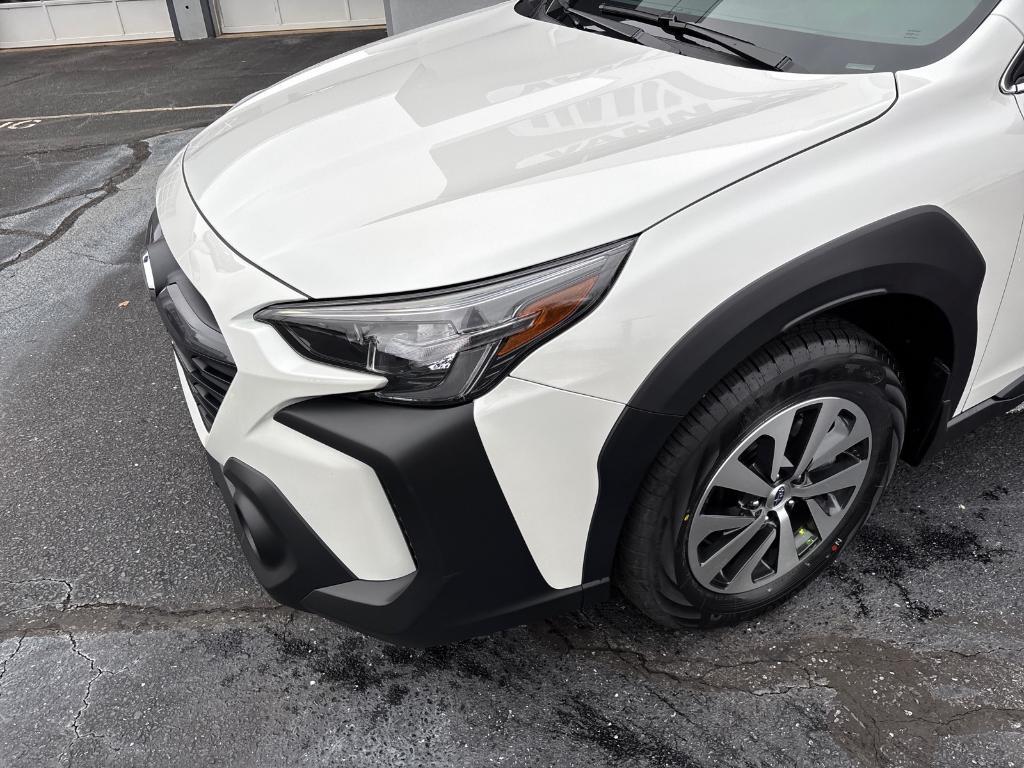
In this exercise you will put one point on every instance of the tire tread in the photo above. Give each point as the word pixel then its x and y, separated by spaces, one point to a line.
pixel 638 578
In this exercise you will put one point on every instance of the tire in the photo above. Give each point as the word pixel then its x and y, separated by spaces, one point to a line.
pixel 666 560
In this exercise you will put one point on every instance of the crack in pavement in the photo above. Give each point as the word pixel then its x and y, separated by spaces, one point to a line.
pixel 43 580
pixel 98 672
pixel 140 153
pixel 875 696
pixel 53 201
pixel 32 153
pixel 97 260
pixel 7 660
pixel 100 616
pixel 699 680
pixel 114 617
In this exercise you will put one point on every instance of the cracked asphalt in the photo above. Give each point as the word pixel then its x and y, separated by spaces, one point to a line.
pixel 132 633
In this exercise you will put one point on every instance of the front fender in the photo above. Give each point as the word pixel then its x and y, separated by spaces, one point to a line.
pixel 923 253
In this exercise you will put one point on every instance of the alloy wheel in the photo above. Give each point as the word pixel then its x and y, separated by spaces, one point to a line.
pixel 779 495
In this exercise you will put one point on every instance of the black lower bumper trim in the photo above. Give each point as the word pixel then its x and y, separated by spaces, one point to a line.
pixel 288 558
pixel 393 611
pixel 474 572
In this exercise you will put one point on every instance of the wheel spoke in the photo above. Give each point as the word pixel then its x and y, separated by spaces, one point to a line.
pixel 714 564
pixel 744 578
pixel 826 418
pixel 779 430
pixel 738 477
pixel 839 441
pixel 819 456
pixel 850 477
pixel 704 525
pixel 825 522
pixel 787 544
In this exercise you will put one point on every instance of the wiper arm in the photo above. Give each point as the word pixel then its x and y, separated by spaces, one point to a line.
pixel 617 28
pixel 680 29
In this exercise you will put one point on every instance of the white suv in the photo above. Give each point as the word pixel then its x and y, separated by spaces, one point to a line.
pixel 480 320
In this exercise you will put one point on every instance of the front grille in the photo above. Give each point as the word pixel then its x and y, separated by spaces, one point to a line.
pixel 198 343
pixel 208 380
pixel 197 339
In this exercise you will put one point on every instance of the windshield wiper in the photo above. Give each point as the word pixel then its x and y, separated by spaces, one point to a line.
pixel 681 30
pixel 616 28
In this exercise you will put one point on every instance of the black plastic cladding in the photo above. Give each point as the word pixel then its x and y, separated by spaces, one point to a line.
pixel 474 572
pixel 286 555
pixel 922 252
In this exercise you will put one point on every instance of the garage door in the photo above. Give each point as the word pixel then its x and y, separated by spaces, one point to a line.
pixel 270 15
pixel 62 22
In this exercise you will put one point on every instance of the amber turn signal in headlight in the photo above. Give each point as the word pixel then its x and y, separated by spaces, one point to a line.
pixel 450 345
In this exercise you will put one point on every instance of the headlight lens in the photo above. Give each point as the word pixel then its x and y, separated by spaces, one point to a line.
pixel 449 346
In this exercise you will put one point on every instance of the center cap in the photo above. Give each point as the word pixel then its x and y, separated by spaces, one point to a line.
pixel 779 496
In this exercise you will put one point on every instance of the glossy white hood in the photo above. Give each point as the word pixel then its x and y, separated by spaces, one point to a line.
pixel 491 143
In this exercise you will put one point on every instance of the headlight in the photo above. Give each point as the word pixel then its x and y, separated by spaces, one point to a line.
pixel 450 345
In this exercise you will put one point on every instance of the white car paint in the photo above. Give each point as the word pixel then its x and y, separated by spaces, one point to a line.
pixel 544 444
pixel 953 140
pixel 362 532
pixel 395 164
pixel 414 163
pixel 1004 356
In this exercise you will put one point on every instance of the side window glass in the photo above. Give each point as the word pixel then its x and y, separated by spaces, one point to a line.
pixel 1014 82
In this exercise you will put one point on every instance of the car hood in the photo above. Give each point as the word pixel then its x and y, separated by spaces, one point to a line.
pixel 491 143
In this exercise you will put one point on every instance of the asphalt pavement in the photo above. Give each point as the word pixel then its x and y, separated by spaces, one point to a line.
pixel 131 630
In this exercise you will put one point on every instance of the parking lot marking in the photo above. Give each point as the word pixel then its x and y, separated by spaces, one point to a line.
pixel 12 122
pixel 17 125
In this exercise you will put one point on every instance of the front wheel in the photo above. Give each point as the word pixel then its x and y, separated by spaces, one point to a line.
pixel 767 480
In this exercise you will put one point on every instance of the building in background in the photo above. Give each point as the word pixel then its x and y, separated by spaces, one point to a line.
pixel 27 23
pixel 409 14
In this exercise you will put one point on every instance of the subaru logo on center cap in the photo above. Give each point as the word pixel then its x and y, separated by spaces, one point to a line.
pixel 779 495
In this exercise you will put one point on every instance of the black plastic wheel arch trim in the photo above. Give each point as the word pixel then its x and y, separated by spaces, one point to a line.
pixel 474 572
pixel 922 252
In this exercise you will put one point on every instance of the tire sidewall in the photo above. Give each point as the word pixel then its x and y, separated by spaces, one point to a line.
pixel 859 378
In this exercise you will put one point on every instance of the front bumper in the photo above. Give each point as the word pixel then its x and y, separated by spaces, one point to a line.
pixel 390 520
pixel 474 573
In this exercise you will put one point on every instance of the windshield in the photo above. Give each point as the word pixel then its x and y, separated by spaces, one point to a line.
pixel 823 35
